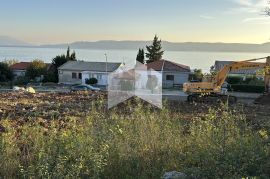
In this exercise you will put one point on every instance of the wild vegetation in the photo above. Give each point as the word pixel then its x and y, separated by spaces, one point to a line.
pixel 133 140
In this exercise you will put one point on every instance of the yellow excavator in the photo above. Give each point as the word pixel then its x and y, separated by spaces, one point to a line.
pixel 211 89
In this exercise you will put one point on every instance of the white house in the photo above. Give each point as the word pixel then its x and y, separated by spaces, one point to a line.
pixel 173 74
pixel 76 72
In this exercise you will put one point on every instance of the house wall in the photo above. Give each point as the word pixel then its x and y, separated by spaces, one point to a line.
pixel 18 73
pixel 102 77
pixel 179 79
pixel 65 77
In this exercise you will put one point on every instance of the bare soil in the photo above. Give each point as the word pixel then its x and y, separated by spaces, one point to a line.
pixel 23 107
pixel 263 100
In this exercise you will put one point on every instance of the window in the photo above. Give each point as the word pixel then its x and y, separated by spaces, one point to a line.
pixel 74 75
pixel 80 75
pixel 99 77
pixel 170 77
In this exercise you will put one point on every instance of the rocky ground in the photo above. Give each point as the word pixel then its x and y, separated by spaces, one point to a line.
pixel 49 106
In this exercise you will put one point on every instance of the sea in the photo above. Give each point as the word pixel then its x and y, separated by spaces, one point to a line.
pixel 196 60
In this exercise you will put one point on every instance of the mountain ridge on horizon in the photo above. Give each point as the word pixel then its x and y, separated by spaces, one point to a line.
pixel 135 45
pixel 169 46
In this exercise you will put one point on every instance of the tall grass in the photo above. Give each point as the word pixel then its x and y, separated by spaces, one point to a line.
pixel 140 143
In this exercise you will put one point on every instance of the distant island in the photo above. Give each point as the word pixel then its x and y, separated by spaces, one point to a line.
pixel 9 41
pixel 135 45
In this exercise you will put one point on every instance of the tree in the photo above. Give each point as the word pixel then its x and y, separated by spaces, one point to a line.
pixel 58 61
pixel 213 71
pixel 197 75
pixel 154 51
pixel 73 56
pixel 5 72
pixel 68 53
pixel 140 56
pixel 11 62
pixel 37 68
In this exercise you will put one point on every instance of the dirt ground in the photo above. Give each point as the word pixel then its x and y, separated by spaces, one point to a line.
pixel 50 106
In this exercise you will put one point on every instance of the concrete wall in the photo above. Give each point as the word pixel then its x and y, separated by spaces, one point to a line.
pixel 65 77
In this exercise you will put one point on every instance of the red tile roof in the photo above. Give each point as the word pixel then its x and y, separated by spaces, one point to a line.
pixel 20 66
pixel 165 65
pixel 24 66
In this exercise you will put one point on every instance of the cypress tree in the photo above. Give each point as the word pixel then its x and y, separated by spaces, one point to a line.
pixel 140 56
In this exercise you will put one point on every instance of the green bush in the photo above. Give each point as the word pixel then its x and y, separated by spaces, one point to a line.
pixel 21 80
pixel 251 80
pixel 91 81
pixel 5 72
pixel 142 144
pixel 234 79
pixel 247 88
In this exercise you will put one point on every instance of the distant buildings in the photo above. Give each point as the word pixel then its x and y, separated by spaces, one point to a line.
pixel 76 72
pixel 19 69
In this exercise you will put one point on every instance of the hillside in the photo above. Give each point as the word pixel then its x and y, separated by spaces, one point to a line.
pixel 172 46
pixel 9 41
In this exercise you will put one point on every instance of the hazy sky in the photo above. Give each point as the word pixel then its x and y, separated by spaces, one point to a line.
pixel 54 21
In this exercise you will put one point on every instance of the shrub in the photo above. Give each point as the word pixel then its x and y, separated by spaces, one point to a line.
pixel 21 80
pixel 234 79
pixel 247 88
pixel 36 69
pixel 91 81
pixel 5 72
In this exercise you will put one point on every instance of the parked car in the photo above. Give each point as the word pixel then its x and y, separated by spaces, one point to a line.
pixel 84 88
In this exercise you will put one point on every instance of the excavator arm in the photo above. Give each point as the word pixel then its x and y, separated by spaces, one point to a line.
pixel 242 65
pixel 214 86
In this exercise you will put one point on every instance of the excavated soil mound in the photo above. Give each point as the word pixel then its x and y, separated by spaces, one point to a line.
pixel 264 100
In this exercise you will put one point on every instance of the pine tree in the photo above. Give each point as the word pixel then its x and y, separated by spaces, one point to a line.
pixel 68 53
pixel 154 51
pixel 73 56
pixel 140 56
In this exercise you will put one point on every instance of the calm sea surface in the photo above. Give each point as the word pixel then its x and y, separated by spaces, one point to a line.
pixel 202 60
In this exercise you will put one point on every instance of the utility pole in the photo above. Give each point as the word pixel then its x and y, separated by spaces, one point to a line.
pixel 106 70
pixel 106 62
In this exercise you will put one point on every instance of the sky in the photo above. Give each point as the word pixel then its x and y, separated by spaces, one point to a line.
pixel 65 21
